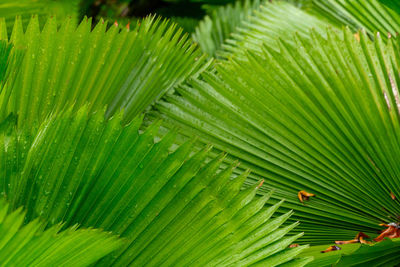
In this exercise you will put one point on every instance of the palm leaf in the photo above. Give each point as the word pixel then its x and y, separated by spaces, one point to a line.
pixel 319 115
pixel 370 15
pixel 173 208
pixel 215 28
pixel 29 245
pixel 232 30
pixel 126 69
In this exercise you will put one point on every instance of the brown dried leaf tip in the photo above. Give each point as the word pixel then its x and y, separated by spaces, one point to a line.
pixel 304 196
pixel 331 248
pixel 294 245
pixel 392 196
pixel 360 238
pixel 392 231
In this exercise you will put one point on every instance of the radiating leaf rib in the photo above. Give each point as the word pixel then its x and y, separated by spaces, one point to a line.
pixel 171 207
pixel 30 245
pixel 122 69
pixel 320 114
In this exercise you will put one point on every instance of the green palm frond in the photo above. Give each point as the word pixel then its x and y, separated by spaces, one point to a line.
pixel 30 245
pixel 385 253
pixel 213 30
pixel 271 22
pixel 320 115
pixel 124 69
pixel 233 29
pixel 25 9
pixel 172 208
pixel 394 5
pixel 373 15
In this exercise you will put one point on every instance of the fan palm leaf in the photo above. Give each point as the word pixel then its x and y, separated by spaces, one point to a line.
pixel 319 115
pixel 374 15
pixel 173 208
pixel 215 28
pixel 126 69
pixel 232 29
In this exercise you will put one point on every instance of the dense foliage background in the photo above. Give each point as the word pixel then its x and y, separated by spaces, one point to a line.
pixel 199 133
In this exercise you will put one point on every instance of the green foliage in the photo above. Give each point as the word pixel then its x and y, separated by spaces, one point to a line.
pixel 232 30
pixel 304 105
pixel 372 15
pixel 172 208
pixel 30 245
pixel 319 115
pixel 215 29
pixel 127 69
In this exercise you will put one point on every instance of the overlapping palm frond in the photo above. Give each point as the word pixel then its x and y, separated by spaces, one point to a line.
pixel 306 108
pixel 213 30
pixel 246 26
pixel 127 69
pixel 319 115
pixel 373 15
pixel 173 208
pixel 30 245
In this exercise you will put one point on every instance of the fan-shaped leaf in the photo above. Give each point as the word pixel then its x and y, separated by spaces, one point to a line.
pixel 253 24
pixel 320 115
pixel 172 208
pixel 370 15
pixel 213 30
pixel 126 69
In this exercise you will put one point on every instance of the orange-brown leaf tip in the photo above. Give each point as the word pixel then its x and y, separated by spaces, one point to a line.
pixel 116 23
pixel 392 196
pixel 361 235
pixel 303 195
pixel 331 248
pixel 392 231
pixel 363 241
pixel 261 183
pixel 294 245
